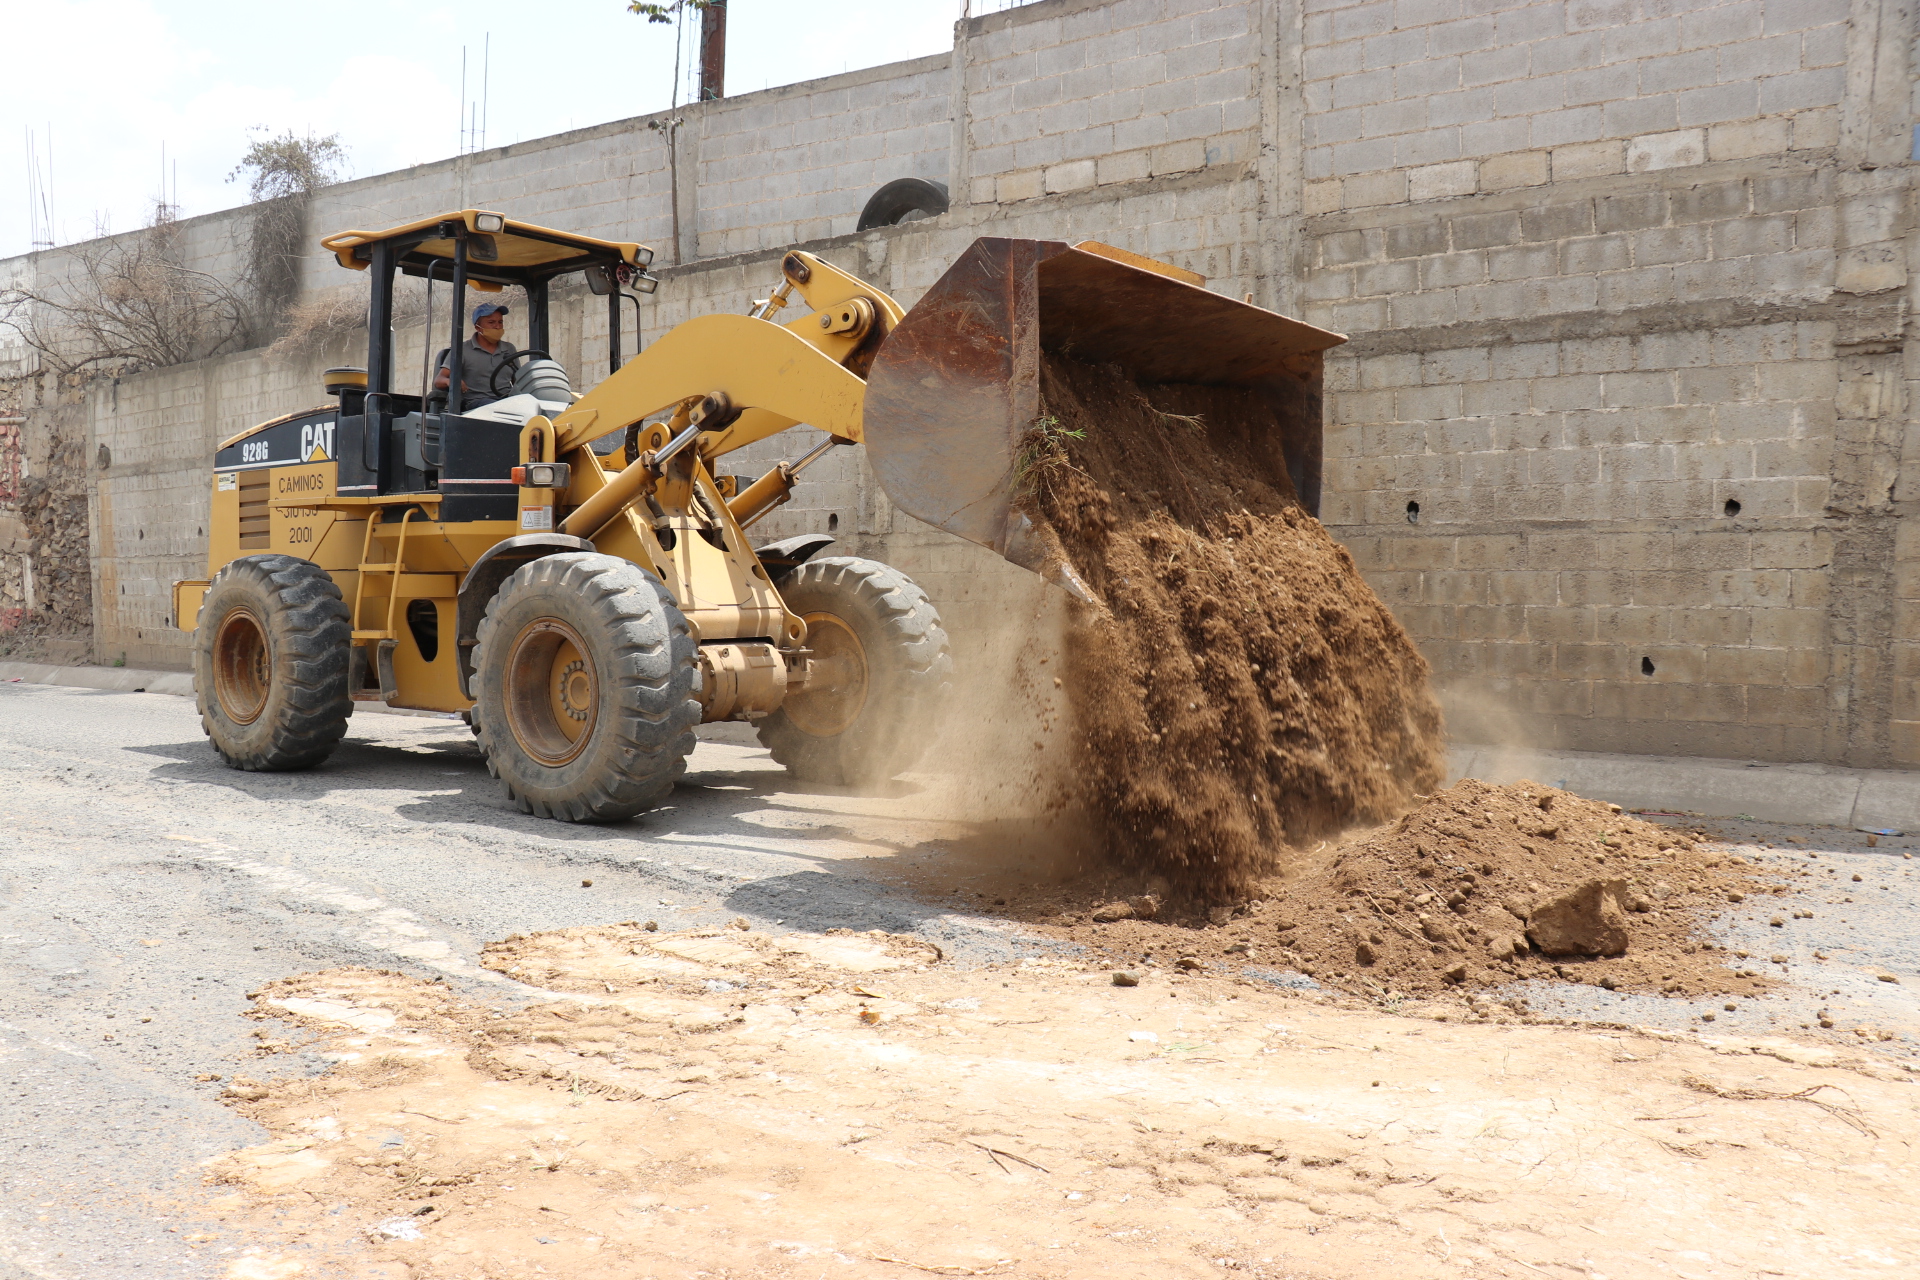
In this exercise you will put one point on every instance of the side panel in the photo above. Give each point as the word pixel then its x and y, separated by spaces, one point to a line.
pixel 299 531
pixel 186 603
pixel 252 470
pixel 424 685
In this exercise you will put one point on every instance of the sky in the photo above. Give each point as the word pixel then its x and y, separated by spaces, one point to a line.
pixel 107 87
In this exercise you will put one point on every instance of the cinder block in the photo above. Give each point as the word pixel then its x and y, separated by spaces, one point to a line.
pixel 1670 244
pixel 1495 137
pixel 1009 187
pixel 1419 310
pixel 1488 552
pixel 1633 625
pixel 1321 197
pixel 1075 175
pixel 1709 202
pixel 1329 285
pixel 1397 276
pixel 1396 116
pixel 1416 239
pixel 1818 88
pixel 1516 169
pixel 1346 247
pixel 1788 628
pixel 1523 262
pixel 1127 166
pixel 1179 157
pixel 1427 146
pixel 1482 230
pixel 1749 138
pixel 1370 189
pixel 1813 130
pixel 1674 150
pixel 1574 124
pixel 1440 181
pixel 1461 107
pixel 1484 62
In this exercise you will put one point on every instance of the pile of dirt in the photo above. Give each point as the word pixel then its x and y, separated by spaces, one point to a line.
pixel 1242 688
pixel 1482 886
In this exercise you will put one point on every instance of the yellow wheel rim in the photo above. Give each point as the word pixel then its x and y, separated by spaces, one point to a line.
pixel 837 684
pixel 552 691
pixel 242 667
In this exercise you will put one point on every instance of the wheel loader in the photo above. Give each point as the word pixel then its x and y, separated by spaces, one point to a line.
pixel 585 610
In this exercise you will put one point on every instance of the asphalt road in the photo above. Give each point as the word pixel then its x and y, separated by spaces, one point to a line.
pixel 145 888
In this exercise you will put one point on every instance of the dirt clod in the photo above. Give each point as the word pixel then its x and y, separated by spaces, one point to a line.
pixel 1585 920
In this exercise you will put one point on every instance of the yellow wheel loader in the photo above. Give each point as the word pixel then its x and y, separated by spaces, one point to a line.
pixel 587 610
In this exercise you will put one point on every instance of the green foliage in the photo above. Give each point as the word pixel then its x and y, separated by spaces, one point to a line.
pixel 666 12
pixel 1042 452
pixel 289 165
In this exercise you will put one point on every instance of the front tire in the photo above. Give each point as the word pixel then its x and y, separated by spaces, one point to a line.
pixel 586 672
pixel 270 663
pixel 882 674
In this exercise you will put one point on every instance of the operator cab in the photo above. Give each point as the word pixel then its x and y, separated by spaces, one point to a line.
pixel 423 440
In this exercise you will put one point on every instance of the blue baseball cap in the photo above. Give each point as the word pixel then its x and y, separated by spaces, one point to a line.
pixel 486 309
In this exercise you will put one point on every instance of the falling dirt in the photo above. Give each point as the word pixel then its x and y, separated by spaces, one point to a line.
pixel 737 1103
pixel 1478 886
pixel 1242 688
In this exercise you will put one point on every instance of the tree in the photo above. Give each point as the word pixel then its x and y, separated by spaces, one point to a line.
pixel 666 12
pixel 289 165
pixel 282 174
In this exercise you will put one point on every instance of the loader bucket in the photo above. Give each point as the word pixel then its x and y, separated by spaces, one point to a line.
pixel 956 386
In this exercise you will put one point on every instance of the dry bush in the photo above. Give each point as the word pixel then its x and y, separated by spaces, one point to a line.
pixel 282 174
pixel 127 303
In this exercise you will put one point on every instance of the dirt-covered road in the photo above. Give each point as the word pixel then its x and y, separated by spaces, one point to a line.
pixel 145 888
pixel 466 1055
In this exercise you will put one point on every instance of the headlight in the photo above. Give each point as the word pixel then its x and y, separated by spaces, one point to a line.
pixel 543 475
pixel 494 222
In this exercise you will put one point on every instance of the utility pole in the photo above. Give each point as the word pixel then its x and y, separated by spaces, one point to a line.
pixel 713 50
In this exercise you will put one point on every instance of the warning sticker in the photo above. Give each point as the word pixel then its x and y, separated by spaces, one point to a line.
pixel 227 480
pixel 536 517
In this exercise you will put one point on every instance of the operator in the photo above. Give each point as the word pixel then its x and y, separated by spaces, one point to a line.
pixel 480 356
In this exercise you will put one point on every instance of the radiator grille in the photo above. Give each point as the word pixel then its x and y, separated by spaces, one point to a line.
pixel 255 516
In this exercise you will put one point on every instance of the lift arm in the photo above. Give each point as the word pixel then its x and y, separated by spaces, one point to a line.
pixel 774 375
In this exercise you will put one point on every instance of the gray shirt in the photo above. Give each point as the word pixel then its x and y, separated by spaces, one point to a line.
pixel 476 371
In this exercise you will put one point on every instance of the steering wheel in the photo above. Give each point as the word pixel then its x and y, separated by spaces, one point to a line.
pixel 506 366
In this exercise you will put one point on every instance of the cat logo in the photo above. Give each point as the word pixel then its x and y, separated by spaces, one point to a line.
pixel 316 442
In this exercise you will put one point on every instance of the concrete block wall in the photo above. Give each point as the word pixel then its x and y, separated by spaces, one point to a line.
pixel 798 163
pixel 1089 95
pixel 1421 99
pixel 1617 431
pixel 1623 429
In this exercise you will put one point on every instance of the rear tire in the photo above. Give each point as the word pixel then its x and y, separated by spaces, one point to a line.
pixel 586 671
pixel 270 663
pixel 887 674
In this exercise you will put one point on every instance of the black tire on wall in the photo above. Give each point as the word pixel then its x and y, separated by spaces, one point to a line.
pixel 270 663
pixel 883 674
pixel 585 676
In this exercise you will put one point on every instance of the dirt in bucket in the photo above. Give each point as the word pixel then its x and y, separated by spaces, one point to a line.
pixel 1241 688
